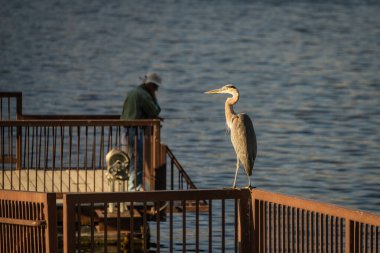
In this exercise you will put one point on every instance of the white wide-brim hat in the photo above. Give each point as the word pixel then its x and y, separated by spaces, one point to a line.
pixel 152 77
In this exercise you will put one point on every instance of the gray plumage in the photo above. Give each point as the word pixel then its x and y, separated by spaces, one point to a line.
pixel 243 139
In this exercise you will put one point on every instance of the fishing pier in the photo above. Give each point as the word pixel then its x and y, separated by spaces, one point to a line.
pixel 56 196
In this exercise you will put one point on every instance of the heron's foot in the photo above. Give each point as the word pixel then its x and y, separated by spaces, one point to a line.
pixel 249 187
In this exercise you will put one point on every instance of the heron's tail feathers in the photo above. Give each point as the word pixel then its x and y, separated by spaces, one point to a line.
pixel 248 166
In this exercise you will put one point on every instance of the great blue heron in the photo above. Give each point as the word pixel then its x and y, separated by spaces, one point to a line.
pixel 243 135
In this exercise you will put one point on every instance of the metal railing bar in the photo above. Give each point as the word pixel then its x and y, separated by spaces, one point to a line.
pixel 38 215
pixel 336 238
pixel 145 226
pixel 184 226
pixel 262 223
pixel 22 222
pixel 377 239
pixel 326 236
pixel 99 122
pixel 54 129
pixel 78 155
pixel 61 155
pixel 10 134
pixel 144 158
pixel 342 234
pixel 303 228
pixel 101 153
pixel 274 227
pixel 118 226
pixel 30 156
pixel 295 229
pixel 105 226
pixel 85 157
pixel 279 238
pixel 210 225
pixel 68 117
pixel 223 225
pixel 158 223
pixel 317 232
pixel 197 226
pixel 135 156
pixel 365 237
pixel 132 228
pixel 283 225
pixel 371 239
pixel 70 152
pixel 92 222
pixel 269 231
pixel 360 236
pixel 194 194
pixel 310 231
pixel 171 203
pixel 172 174
pixel 2 150
pixel 79 230
pixel 25 151
pixel 286 228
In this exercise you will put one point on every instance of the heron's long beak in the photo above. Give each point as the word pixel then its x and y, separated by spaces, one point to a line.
pixel 216 91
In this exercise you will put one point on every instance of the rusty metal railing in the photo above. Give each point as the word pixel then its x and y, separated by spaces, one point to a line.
pixel 289 224
pixel 28 222
pixel 69 155
pixel 235 221
pixel 224 228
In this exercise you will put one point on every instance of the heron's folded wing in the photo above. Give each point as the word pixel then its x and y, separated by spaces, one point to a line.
pixel 243 139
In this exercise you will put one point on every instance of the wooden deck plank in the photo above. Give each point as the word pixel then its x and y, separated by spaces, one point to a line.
pixel 32 179
pixel 64 181
pixel 4 177
pixel 41 180
pixel 24 182
pixel 77 181
pixel 15 182
pixel 48 182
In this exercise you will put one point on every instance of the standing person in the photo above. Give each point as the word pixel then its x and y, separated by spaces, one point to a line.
pixel 140 103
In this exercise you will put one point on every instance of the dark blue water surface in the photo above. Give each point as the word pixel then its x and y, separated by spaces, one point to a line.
pixel 308 73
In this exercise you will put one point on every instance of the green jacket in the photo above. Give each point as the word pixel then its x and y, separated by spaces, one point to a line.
pixel 139 104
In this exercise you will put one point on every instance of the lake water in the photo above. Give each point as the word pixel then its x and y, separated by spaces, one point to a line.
pixel 308 73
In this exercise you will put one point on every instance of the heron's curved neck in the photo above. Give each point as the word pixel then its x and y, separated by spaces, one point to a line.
pixel 229 110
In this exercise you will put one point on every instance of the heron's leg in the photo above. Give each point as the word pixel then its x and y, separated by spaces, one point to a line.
pixel 249 181
pixel 237 168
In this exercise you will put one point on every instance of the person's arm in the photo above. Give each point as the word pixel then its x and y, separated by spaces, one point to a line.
pixel 150 107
